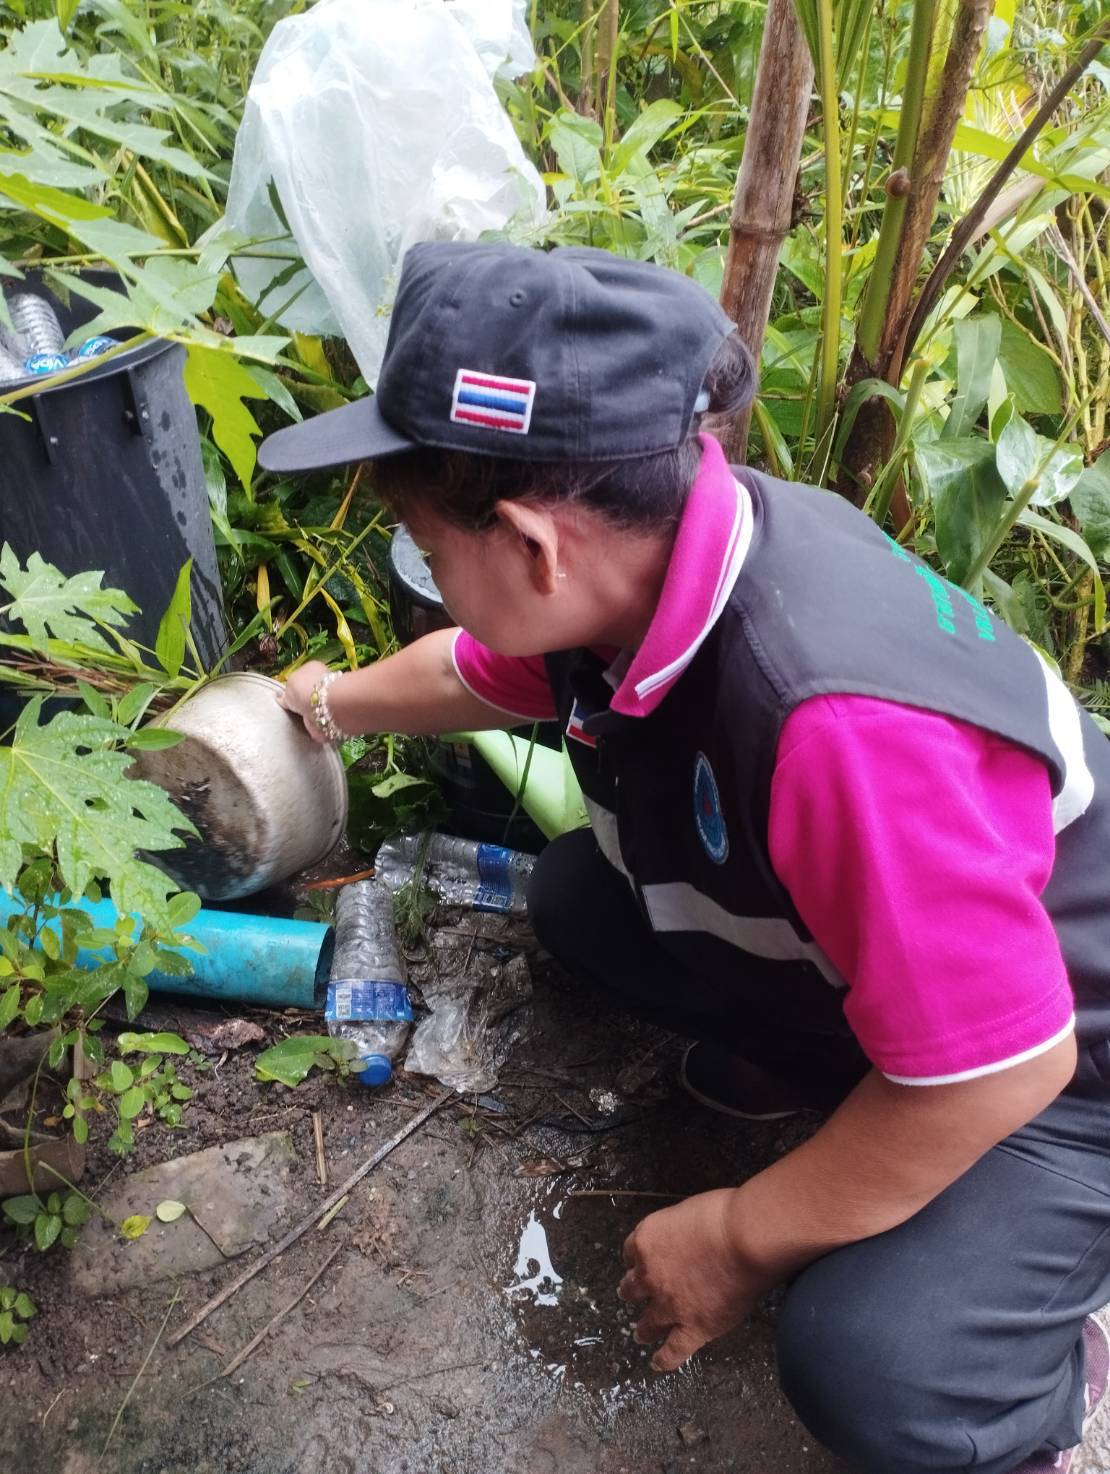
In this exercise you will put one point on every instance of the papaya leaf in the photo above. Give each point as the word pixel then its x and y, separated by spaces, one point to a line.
pixel 47 603
pixel 66 783
pixel 219 383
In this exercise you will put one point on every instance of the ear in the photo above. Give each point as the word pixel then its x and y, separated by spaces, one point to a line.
pixel 538 534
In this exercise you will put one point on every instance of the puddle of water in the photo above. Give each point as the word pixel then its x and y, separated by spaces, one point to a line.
pixel 563 1298
pixel 533 1255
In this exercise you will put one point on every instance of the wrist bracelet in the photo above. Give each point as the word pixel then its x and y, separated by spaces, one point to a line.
pixel 321 712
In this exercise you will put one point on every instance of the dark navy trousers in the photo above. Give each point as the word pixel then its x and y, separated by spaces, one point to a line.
pixel 951 1342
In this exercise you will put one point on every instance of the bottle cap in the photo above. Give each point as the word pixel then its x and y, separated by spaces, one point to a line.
pixel 374 1069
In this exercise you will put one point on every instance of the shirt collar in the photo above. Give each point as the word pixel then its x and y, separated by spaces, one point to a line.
pixel 713 537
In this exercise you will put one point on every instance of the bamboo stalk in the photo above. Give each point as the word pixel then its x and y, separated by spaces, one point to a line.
pixel 834 221
pixel 764 200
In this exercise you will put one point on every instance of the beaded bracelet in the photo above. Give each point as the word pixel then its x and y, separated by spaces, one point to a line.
pixel 321 712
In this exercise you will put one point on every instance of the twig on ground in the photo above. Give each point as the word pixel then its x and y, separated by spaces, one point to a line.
pixel 318 1138
pixel 54 1404
pixel 310 1220
pixel 275 1320
pixel 138 1375
pixel 333 1212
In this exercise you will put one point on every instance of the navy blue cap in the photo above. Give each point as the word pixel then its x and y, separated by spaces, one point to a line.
pixel 566 355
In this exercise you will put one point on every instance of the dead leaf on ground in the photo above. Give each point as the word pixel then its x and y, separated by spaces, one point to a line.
pixel 232 1033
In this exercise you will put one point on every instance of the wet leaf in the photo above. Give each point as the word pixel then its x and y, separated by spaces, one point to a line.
pixel 152 1043
pixel 47 1228
pixel 169 1210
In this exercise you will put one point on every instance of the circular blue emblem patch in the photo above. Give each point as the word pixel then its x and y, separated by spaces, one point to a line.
pixel 707 812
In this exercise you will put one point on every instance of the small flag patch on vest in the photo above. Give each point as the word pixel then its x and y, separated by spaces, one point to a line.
pixel 576 727
pixel 493 402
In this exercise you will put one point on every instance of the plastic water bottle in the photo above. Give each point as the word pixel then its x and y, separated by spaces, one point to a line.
pixel 461 872
pixel 367 999
pixel 39 338
pixel 92 348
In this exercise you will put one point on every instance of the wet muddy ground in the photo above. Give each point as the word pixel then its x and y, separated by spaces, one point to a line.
pixel 468 1323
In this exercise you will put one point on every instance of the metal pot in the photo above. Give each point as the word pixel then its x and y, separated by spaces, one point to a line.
pixel 267 800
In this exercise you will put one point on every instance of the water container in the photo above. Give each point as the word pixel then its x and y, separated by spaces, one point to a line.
pixel 105 473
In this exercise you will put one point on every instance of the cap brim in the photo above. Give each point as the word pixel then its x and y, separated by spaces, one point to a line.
pixel 355 432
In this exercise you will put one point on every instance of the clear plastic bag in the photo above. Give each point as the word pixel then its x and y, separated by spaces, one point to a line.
pixel 475 1019
pixel 377 124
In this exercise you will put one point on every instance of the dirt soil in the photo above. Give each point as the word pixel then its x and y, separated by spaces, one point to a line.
pixel 469 1323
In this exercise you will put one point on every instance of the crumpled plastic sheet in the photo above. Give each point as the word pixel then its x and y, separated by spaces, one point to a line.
pixel 378 125
pixel 477 1015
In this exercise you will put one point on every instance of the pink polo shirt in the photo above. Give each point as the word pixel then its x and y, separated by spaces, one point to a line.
pixel 914 847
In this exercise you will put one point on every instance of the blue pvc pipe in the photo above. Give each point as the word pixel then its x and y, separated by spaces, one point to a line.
pixel 251 959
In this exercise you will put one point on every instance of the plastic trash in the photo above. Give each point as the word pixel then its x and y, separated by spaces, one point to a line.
pixel 11 367
pixel 461 872
pixel 92 348
pixel 367 998
pixel 477 1013
pixel 378 125
pixel 36 326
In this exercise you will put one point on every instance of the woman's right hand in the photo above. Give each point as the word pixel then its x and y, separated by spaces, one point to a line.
pixel 297 696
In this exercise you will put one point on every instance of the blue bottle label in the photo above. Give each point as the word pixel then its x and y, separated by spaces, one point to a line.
pixel 495 880
pixel 46 363
pixel 354 1000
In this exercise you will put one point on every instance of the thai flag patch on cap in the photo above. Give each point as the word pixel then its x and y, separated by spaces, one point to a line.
pixel 493 402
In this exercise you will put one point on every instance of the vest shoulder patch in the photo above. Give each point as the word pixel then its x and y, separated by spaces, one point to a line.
pixel 708 816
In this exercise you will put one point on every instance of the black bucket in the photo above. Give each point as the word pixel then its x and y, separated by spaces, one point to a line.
pixel 478 801
pixel 106 473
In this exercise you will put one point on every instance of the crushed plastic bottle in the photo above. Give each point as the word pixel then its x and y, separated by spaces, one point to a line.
pixel 461 872
pixel 367 998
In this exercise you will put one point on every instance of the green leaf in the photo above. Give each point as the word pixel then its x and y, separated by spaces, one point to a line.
pixel 47 1228
pixel 977 341
pixel 290 1061
pixel 1030 372
pixel 66 786
pixel 94 701
pixel 577 143
pixel 183 908
pixel 7 1327
pixel 169 646
pixel 47 604
pixel 80 1130
pixel 22 1210
pixel 968 498
pixel 1023 456
pixel 50 943
pixel 123 1076
pixel 135 1226
pixel 152 1043
pixel 642 135
pixel 1090 501
pixel 9 1004
pixel 169 1210
pixel 154 739
pixel 65 10
pixel 135 993
pixel 135 702
pixel 25 1306
pixel 132 1102
pixel 219 383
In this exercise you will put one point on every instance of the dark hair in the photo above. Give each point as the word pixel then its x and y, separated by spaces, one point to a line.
pixel 645 492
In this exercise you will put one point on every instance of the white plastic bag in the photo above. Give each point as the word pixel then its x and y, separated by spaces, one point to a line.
pixel 377 124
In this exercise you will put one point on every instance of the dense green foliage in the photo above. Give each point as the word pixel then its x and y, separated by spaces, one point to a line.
pixel 120 119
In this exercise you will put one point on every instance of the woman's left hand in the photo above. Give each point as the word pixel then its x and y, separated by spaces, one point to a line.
pixel 684 1262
